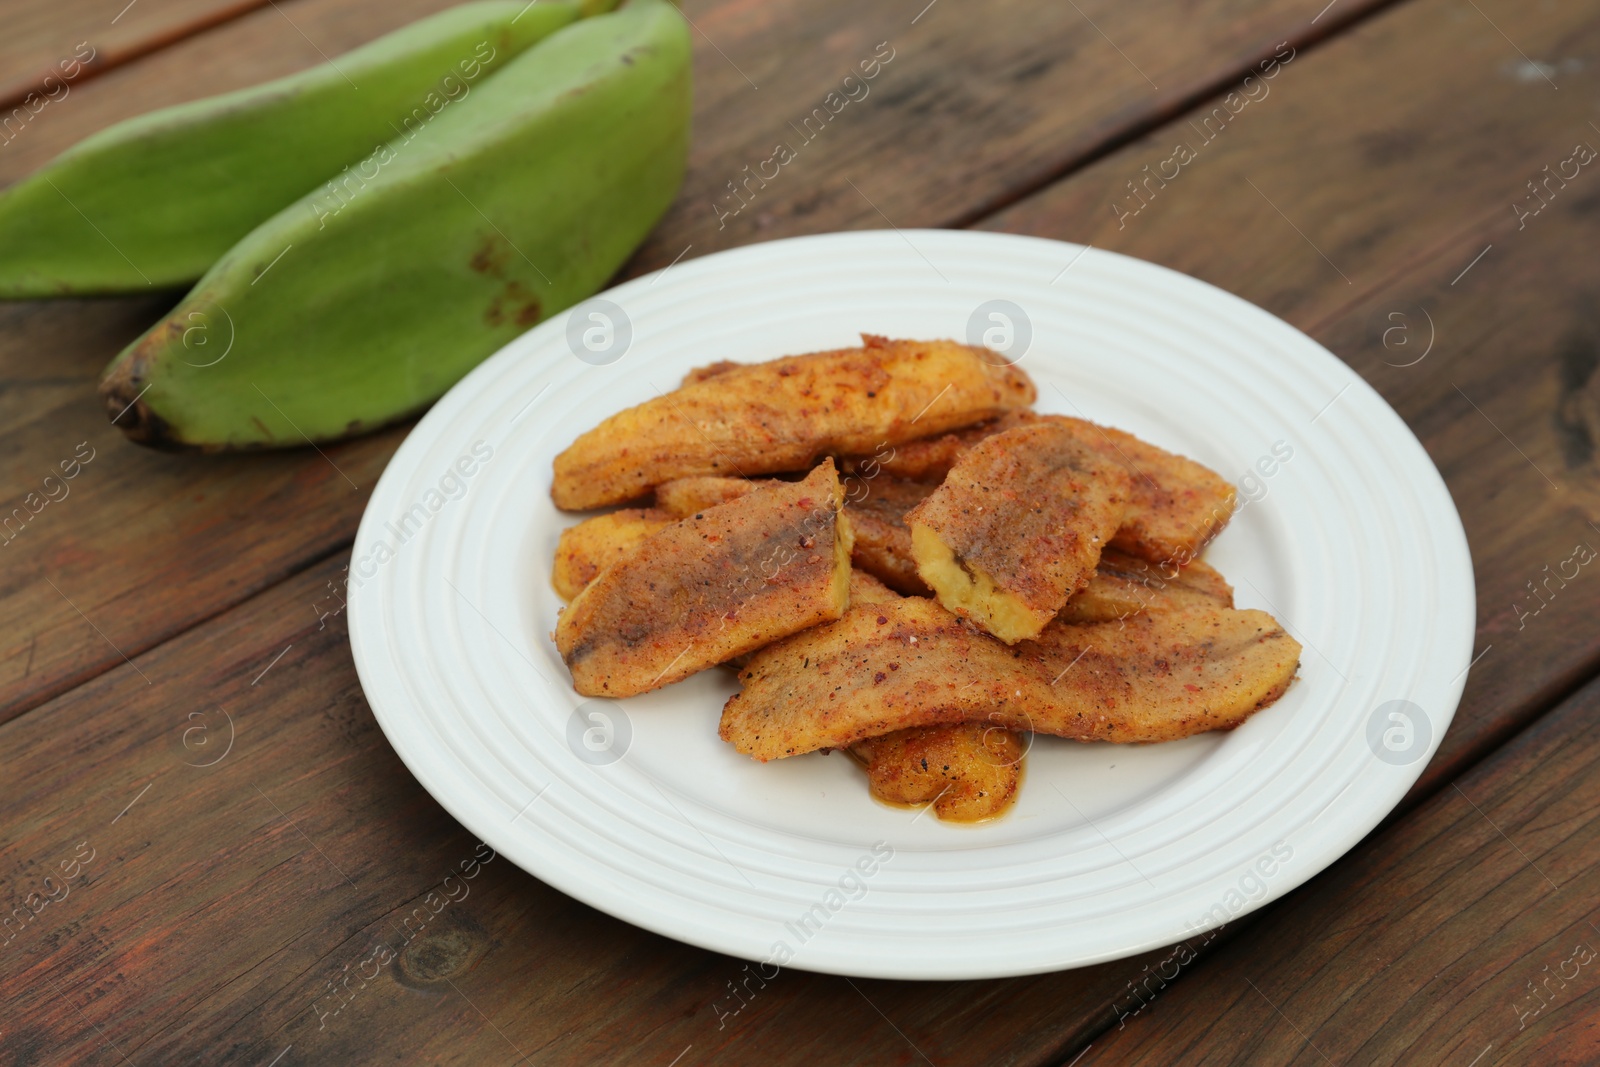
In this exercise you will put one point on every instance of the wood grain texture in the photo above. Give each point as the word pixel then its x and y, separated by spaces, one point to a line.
pixel 977 107
pixel 1350 200
pixel 968 112
pixel 1467 933
pixel 276 40
pixel 255 841
pixel 42 40
pixel 215 930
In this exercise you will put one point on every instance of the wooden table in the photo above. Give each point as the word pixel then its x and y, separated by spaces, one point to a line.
pixel 210 904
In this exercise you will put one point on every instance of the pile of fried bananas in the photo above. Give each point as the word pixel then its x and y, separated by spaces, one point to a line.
pixel 903 560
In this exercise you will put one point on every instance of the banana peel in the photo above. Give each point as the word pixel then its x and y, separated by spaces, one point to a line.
pixel 155 200
pixel 346 312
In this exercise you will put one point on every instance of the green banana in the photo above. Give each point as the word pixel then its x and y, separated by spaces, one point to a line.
pixel 365 300
pixel 155 200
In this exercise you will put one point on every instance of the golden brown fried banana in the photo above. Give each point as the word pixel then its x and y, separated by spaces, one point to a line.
pixel 710 370
pixel 781 415
pixel 877 510
pixel 967 770
pixel 971 772
pixel 929 459
pixel 1176 506
pixel 1125 585
pixel 685 496
pixel 865 589
pixel 1168 672
pixel 595 544
pixel 1018 527
pixel 710 587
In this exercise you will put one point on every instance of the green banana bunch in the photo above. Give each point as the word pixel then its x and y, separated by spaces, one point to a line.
pixel 157 199
pixel 367 298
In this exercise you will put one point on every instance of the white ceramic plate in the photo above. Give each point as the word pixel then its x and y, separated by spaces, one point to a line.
pixel 1352 542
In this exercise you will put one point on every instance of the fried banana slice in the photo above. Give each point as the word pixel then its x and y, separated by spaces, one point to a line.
pixel 865 589
pixel 929 459
pixel 1124 585
pixel 1170 671
pixel 710 370
pixel 702 590
pixel 595 544
pixel 1018 527
pixel 877 510
pixel 685 496
pixel 969 771
pixel 972 771
pixel 781 415
pixel 1175 507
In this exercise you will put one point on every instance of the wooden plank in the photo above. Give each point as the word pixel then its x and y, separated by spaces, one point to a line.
pixel 231 883
pixel 1017 107
pixel 227 886
pixel 50 48
pixel 1466 933
pixel 976 108
pixel 252 839
pixel 1358 212
pixel 560 982
pixel 258 46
